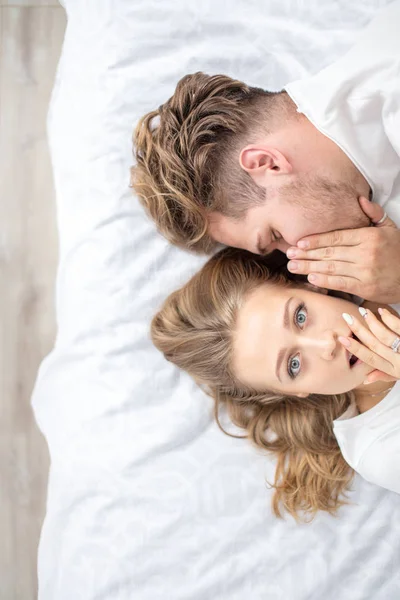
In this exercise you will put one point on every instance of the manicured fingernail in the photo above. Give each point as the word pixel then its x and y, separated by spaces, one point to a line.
pixel 380 311
pixel 291 253
pixel 347 318
pixel 293 265
pixel 344 341
pixel 312 278
pixel 363 312
pixel 303 244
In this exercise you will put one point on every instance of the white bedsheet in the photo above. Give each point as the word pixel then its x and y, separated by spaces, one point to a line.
pixel 147 498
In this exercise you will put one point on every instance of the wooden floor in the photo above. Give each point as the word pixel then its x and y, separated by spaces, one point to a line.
pixel 31 34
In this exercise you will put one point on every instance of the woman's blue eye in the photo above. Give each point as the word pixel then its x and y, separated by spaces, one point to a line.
pixel 300 316
pixel 294 366
pixel 294 363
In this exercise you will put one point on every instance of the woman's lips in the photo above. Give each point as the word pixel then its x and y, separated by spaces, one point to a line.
pixel 358 362
pixel 350 357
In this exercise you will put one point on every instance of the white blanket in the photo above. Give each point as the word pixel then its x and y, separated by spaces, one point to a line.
pixel 147 498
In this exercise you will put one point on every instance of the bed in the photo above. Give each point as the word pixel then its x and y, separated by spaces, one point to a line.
pixel 147 499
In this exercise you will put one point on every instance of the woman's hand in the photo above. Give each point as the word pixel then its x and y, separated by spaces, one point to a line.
pixel 376 348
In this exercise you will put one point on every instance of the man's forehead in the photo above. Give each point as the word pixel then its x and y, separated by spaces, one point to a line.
pixel 240 233
pixel 225 229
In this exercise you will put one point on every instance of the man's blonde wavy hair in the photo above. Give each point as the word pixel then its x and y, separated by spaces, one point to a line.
pixel 187 155
pixel 195 328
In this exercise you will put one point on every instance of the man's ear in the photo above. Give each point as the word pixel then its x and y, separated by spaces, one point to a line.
pixel 263 161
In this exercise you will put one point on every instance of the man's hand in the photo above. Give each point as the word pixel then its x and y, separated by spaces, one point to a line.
pixel 364 262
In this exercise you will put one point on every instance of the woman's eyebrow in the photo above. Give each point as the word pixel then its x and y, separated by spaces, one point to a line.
pixel 286 326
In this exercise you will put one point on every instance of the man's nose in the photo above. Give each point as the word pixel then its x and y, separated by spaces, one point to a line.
pixel 281 245
pixel 325 344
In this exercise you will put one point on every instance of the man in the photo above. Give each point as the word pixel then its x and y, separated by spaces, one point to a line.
pixel 224 162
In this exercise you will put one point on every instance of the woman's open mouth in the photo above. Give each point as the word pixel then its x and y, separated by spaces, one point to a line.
pixel 353 359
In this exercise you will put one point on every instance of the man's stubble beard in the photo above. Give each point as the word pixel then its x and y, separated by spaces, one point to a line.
pixel 331 204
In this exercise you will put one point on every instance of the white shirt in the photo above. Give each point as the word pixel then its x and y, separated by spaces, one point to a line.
pixel 356 103
pixel 370 441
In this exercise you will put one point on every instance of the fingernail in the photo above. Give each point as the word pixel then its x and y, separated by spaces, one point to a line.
pixel 291 253
pixel 293 265
pixel 363 312
pixel 344 341
pixel 312 278
pixel 347 318
pixel 303 244
pixel 380 311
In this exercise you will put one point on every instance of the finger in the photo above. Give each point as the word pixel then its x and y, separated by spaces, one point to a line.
pixel 340 237
pixel 375 212
pixel 377 375
pixel 366 355
pixel 390 320
pixel 367 338
pixel 341 253
pixel 328 267
pixel 372 210
pixel 384 334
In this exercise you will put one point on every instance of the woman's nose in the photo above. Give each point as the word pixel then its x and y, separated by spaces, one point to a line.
pixel 325 344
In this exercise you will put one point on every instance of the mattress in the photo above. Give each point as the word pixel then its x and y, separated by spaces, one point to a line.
pixel 147 499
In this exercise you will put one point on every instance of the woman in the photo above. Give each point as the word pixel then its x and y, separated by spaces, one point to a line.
pixel 277 353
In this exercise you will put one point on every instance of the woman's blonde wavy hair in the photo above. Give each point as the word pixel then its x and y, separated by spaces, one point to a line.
pixel 195 328
pixel 187 155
